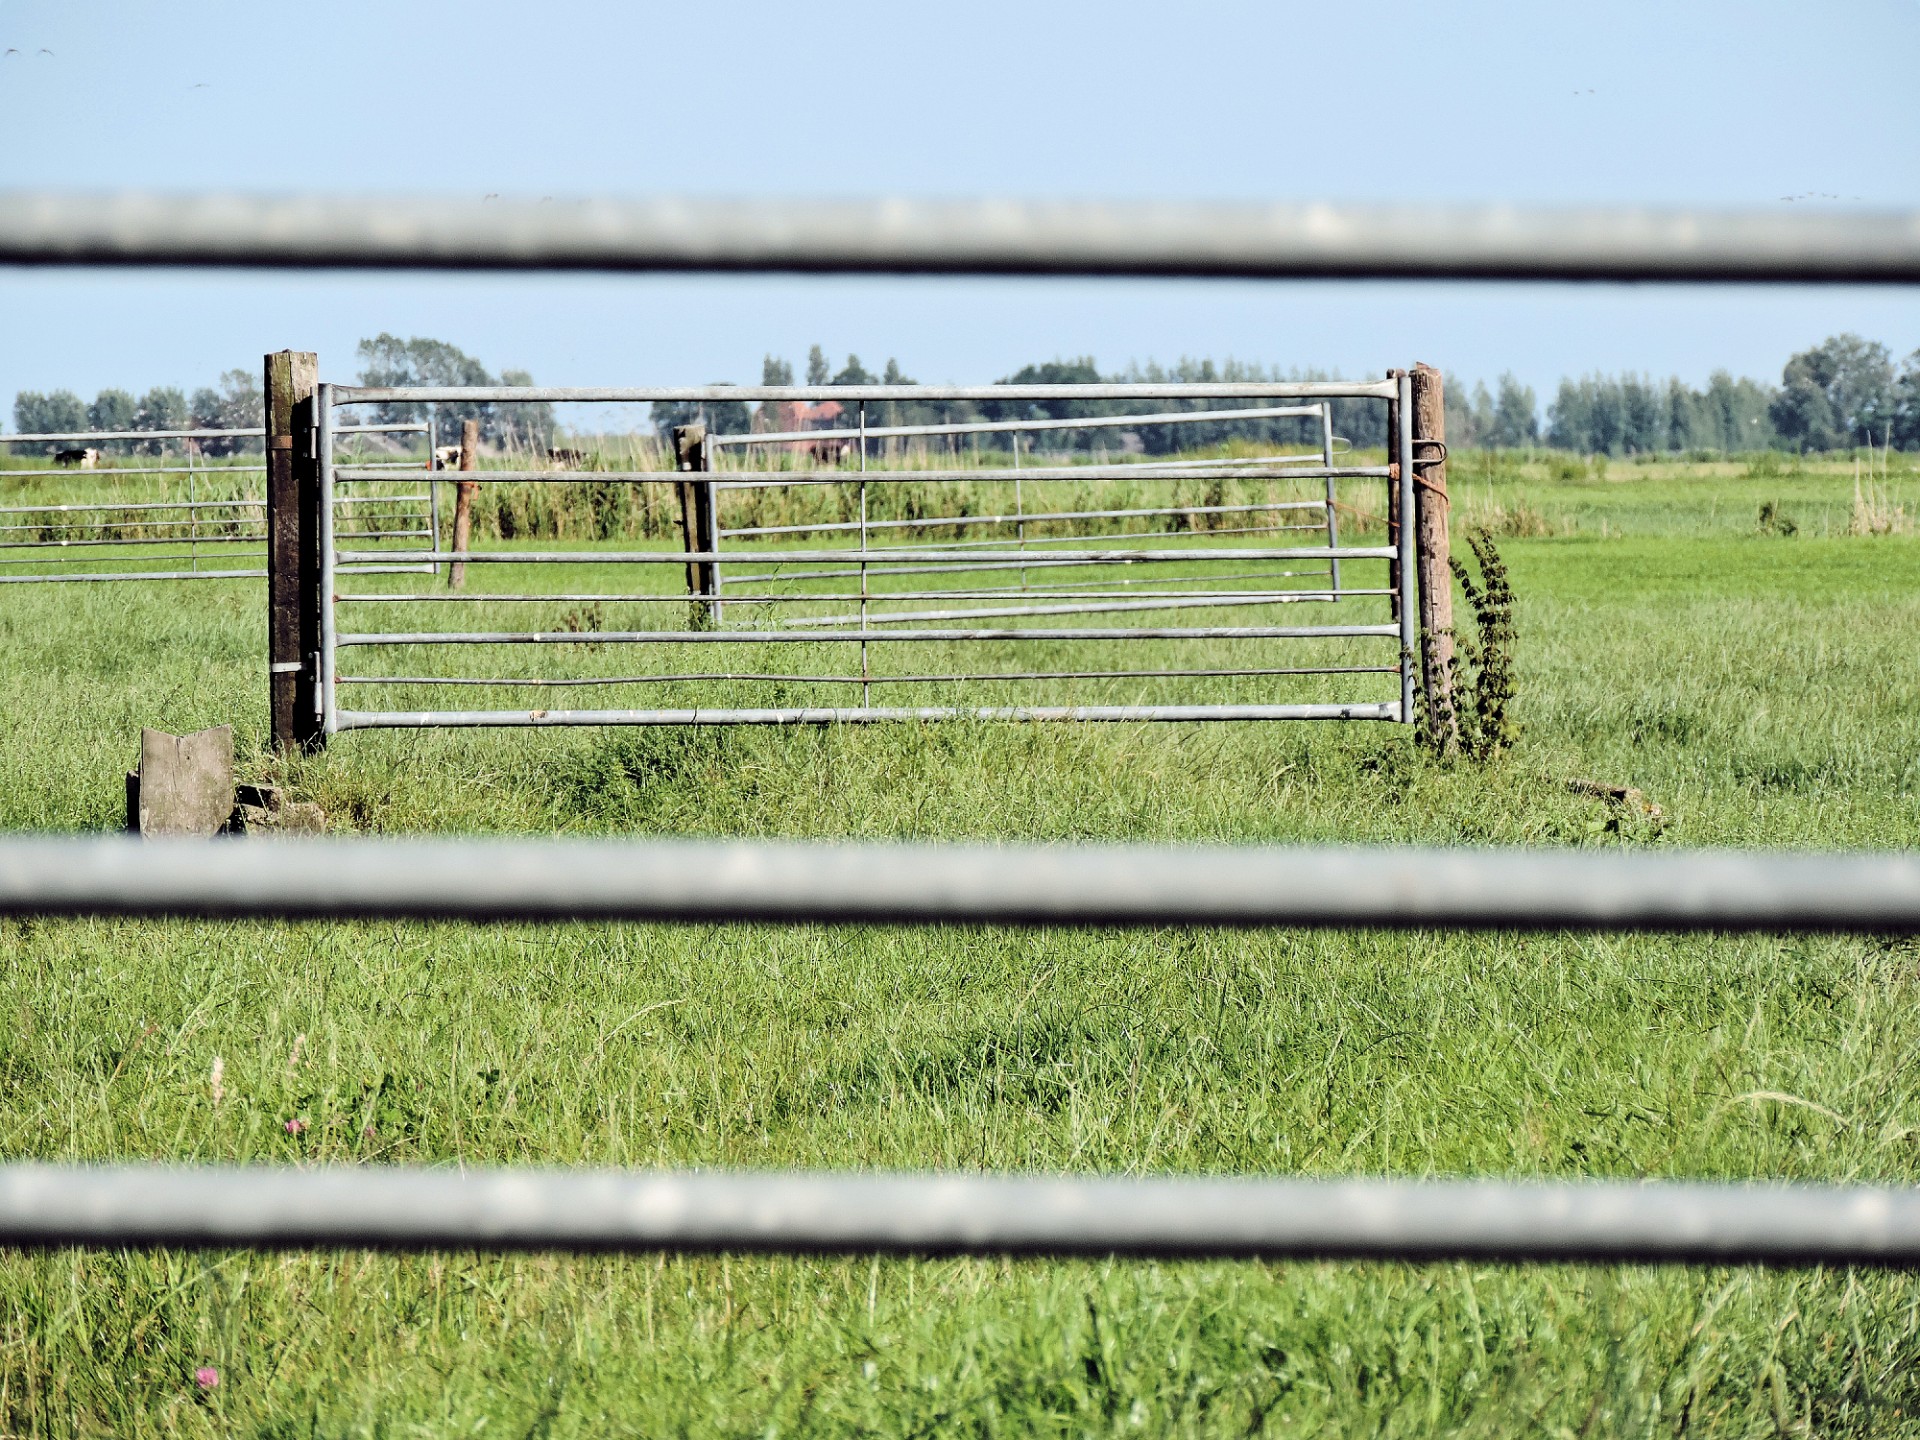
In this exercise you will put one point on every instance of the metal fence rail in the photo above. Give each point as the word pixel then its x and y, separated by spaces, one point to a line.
pixel 1660 1222
pixel 173 522
pixel 899 572
pixel 1004 236
pixel 773 882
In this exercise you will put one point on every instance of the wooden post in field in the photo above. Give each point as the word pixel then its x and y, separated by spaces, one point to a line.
pixel 1431 550
pixel 293 552
pixel 463 500
pixel 1393 497
pixel 696 519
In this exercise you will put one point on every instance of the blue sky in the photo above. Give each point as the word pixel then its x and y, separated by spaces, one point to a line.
pixel 1756 104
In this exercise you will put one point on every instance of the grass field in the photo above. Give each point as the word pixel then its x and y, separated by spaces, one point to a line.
pixel 1761 688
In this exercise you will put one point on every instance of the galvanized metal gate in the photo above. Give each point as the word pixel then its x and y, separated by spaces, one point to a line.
pixel 944 579
pixel 190 516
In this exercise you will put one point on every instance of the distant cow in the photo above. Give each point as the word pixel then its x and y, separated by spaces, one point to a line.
pixel 567 457
pixel 447 457
pixel 77 459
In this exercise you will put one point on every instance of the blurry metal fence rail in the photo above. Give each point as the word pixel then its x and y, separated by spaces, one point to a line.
pixel 1660 1222
pixel 1181 547
pixel 993 236
pixel 197 533
pixel 772 882
pixel 1182 1218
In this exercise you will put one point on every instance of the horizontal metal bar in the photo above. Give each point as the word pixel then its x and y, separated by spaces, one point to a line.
pixel 766 881
pixel 135 575
pixel 857 715
pixel 776 479
pixel 111 508
pixel 879 555
pixel 647 394
pixel 762 675
pixel 1001 427
pixel 1088 607
pixel 1141 470
pixel 398 1208
pixel 680 597
pixel 1033 517
pixel 208 472
pixel 984 237
pixel 133 540
pixel 792 637
pixel 254 432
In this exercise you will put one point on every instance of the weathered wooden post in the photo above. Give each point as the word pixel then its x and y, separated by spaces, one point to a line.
pixel 1432 551
pixel 463 500
pixel 293 552
pixel 697 521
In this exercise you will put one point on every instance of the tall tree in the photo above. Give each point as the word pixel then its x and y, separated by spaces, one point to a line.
pixel 1841 392
pixel 113 410
pixel 58 412
pixel 236 404
pixel 817 368
pixel 1516 418
pixel 162 408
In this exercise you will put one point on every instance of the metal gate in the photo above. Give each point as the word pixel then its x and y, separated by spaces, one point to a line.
pixel 825 566
pixel 178 517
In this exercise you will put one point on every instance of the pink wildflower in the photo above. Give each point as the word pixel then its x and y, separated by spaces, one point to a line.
pixel 294 1127
pixel 206 1377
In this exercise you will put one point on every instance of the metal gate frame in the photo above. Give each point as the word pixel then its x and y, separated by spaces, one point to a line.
pixel 1396 392
pixel 246 511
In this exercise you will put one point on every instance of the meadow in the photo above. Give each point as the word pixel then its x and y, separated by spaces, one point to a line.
pixel 1757 682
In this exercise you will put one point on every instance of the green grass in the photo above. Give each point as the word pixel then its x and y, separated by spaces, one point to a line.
pixel 1761 689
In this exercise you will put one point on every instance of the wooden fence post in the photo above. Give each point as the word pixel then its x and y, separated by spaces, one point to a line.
pixel 1432 549
pixel 463 500
pixel 696 519
pixel 293 552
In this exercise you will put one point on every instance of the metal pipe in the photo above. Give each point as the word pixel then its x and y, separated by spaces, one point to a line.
pixel 399 1208
pixel 858 715
pixel 1004 675
pixel 921 552
pixel 329 557
pixel 1031 516
pixel 854 394
pixel 764 881
pixel 985 237
pixel 792 637
pixel 1109 607
pixel 999 427
pixel 1409 613
pixel 59 474
pixel 134 575
pixel 1143 470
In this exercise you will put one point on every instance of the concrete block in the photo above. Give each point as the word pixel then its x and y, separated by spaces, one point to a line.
pixel 184 785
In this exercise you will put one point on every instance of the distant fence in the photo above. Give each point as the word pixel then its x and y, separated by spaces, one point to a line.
pixel 1179 549
pixel 185 517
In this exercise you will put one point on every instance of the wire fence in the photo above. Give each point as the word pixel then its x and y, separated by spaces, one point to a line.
pixel 1003 586
pixel 128 511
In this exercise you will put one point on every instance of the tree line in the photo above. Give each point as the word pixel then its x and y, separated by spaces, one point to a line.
pixel 1843 392
pixel 235 403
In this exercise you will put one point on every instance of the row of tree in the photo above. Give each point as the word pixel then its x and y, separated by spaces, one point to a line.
pixel 1354 419
pixel 1843 392
pixel 233 404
